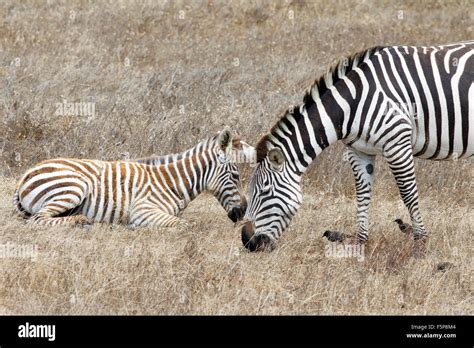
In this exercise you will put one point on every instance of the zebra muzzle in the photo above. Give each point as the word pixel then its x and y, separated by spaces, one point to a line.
pixel 252 242
pixel 237 213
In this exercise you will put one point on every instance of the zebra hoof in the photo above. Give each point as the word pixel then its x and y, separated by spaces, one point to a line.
pixel 419 248
pixel 82 221
pixel 183 225
pixel 192 221
pixel 132 227
pixel 360 241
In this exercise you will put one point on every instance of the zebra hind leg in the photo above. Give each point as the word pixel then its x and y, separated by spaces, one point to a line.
pixel 49 215
pixel 363 169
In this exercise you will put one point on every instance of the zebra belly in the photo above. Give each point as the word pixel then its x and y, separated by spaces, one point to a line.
pixel 430 149
pixel 108 212
pixel 117 187
pixel 367 148
pixel 113 196
pixel 370 149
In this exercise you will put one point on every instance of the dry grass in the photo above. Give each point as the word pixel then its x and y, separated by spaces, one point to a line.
pixel 152 75
pixel 110 270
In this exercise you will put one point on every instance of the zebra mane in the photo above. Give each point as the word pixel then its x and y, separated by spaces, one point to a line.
pixel 159 159
pixel 339 70
pixel 318 88
pixel 165 159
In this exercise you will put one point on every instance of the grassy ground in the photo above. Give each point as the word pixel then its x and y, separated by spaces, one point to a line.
pixel 162 76
pixel 109 270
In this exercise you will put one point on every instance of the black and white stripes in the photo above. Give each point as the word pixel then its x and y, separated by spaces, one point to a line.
pixel 399 102
pixel 73 191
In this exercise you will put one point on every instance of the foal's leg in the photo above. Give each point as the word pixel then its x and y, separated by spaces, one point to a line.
pixel 145 213
pixel 57 205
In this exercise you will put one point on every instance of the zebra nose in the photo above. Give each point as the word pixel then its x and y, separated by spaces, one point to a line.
pixel 247 236
pixel 260 242
pixel 243 205
pixel 235 214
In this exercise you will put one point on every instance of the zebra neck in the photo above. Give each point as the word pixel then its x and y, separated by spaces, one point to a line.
pixel 197 175
pixel 326 115
pixel 303 133
pixel 187 177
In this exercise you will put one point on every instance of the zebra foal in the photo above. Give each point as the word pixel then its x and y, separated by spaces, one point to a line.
pixel 75 191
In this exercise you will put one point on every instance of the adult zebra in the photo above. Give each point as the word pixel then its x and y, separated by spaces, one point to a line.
pixel 73 191
pixel 398 102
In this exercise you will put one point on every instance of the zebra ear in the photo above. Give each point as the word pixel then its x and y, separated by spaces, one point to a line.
pixel 276 157
pixel 225 140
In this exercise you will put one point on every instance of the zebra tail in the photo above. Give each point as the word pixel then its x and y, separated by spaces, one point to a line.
pixel 18 207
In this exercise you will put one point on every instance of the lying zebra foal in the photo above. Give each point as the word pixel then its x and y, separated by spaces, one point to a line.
pixel 138 193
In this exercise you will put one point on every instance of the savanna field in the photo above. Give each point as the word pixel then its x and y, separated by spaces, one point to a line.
pixel 162 75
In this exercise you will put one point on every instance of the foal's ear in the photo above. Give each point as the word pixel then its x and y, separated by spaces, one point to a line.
pixel 276 158
pixel 225 140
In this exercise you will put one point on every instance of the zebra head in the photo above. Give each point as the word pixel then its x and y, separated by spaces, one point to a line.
pixel 224 181
pixel 275 196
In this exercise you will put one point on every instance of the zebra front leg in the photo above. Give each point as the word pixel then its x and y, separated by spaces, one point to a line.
pixel 363 168
pixel 152 216
pixel 403 168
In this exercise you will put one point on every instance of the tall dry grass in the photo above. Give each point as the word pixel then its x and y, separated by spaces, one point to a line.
pixel 163 75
